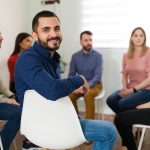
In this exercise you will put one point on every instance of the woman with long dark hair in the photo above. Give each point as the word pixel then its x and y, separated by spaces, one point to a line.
pixel 23 41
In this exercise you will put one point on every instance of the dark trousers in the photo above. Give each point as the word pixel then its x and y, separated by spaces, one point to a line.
pixel 12 87
pixel 124 122
pixel 119 104
pixel 12 114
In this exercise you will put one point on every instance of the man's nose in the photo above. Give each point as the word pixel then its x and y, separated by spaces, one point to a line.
pixel 52 33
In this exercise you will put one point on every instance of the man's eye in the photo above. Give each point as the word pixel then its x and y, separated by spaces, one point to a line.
pixel 46 30
pixel 57 29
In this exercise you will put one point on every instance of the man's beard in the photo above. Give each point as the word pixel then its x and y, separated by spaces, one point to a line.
pixel 45 44
pixel 87 48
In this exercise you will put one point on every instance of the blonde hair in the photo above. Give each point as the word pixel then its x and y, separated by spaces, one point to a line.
pixel 131 48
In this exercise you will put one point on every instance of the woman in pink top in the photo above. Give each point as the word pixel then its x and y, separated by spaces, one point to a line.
pixel 132 102
pixel 135 75
pixel 136 68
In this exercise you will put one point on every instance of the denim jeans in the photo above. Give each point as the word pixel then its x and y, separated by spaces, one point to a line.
pixel 12 114
pixel 119 104
pixel 101 133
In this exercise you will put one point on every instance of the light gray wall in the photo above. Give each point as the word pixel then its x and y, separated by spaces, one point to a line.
pixel 12 21
pixel 112 70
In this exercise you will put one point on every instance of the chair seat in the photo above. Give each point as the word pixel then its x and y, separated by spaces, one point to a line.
pixel 141 126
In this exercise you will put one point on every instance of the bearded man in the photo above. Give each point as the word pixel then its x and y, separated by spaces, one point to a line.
pixel 89 63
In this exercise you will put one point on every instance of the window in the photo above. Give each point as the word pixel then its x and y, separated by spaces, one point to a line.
pixel 112 21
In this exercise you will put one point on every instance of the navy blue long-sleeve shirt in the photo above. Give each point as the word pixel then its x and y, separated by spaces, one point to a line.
pixel 36 69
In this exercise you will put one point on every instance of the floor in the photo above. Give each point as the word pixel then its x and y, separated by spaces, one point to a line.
pixel 145 146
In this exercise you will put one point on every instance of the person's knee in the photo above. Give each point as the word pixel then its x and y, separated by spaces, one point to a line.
pixel 112 131
pixel 109 101
pixel 122 105
pixel 109 131
pixel 119 121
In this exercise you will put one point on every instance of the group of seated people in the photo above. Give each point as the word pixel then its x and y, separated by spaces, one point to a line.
pixel 131 102
pixel 37 68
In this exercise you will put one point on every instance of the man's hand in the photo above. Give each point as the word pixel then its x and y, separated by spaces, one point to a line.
pixel 79 90
pixel 85 86
pixel 82 89
pixel 14 102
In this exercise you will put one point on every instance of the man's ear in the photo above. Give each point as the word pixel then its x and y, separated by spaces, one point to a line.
pixel 34 35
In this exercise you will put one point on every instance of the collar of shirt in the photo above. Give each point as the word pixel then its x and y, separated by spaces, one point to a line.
pixel 89 53
pixel 45 52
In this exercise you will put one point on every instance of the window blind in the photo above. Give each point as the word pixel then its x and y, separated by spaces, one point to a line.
pixel 112 21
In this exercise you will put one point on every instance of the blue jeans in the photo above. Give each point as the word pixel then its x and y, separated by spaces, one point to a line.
pixel 101 133
pixel 12 114
pixel 119 104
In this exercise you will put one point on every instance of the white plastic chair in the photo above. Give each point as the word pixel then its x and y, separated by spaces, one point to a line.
pixel 143 127
pixel 50 124
pixel 98 101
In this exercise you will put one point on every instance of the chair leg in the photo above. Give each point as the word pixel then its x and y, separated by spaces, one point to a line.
pixel 141 139
pixel 138 133
pixel 100 109
pixel 1 145
pixel 15 145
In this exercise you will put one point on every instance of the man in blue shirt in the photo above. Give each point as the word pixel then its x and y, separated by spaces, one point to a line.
pixel 38 68
pixel 89 63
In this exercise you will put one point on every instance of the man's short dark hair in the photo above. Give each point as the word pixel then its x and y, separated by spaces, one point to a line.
pixel 85 32
pixel 44 13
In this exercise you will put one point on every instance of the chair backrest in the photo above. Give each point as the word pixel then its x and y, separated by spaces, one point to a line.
pixel 50 124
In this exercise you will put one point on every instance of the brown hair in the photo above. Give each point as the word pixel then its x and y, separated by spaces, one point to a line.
pixel 41 14
pixel 85 32
pixel 131 48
